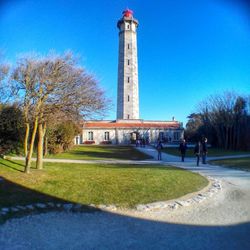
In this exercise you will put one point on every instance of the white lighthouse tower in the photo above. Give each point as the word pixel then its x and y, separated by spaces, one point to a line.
pixel 128 127
pixel 128 92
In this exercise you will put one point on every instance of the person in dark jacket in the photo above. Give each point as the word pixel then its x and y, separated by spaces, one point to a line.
pixel 204 151
pixel 159 148
pixel 183 149
pixel 197 152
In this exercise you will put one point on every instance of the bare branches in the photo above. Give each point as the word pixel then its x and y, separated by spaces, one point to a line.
pixel 4 84
pixel 226 116
pixel 55 88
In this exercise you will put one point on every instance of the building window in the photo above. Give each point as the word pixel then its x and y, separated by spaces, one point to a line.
pixel 77 140
pixel 128 116
pixel 161 136
pixel 128 26
pixel 128 79
pixel 128 62
pixel 128 98
pixel 128 46
pixel 176 136
pixel 106 136
pixel 90 136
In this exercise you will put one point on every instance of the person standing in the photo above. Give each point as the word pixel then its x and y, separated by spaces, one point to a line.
pixel 204 151
pixel 143 142
pixel 159 148
pixel 197 152
pixel 183 149
pixel 137 142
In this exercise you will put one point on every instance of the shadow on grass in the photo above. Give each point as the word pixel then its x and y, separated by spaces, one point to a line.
pixel 235 166
pixel 120 153
pixel 11 165
pixel 107 155
pixel 141 166
pixel 12 194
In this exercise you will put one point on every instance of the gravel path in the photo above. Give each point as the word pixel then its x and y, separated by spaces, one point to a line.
pixel 220 222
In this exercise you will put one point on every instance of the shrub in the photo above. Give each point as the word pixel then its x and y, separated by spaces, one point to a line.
pixel 106 142
pixel 61 136
pixel 89 142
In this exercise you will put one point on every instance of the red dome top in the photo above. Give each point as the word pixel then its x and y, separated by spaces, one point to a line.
pixel 127 13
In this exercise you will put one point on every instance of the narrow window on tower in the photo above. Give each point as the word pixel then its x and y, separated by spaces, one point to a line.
pixel 128 27
pixel 128 98
pixel 128 116
pixel 128 46
pixel 128 79
pixel 128 62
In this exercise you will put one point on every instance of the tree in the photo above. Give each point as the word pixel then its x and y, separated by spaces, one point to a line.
pixel 4 86
pixel 51 84
pixel 11 127
pixel 224 118
pixel 193 127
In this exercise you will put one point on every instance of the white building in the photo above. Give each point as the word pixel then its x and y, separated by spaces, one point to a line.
pixel 128 127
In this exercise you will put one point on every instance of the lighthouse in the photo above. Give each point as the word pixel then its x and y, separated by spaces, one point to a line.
pixel 128 90
pixel 128 126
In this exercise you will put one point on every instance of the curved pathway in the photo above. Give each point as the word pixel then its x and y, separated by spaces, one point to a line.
pixel 220 222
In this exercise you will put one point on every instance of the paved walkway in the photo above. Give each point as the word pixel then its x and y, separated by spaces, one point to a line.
pixel 113 161
pixel 220 222
pixel 147 150
pixel 205 169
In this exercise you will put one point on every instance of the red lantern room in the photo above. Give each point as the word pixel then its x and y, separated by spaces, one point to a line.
pixel 127 13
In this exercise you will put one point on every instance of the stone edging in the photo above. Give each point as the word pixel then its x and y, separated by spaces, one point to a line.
pixel 198 197
pixel 5 212
pixel 213 187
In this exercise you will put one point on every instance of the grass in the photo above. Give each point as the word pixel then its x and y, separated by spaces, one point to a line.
pixel 93 152
pixel 237 163
pixel 211 152
pixel 122 185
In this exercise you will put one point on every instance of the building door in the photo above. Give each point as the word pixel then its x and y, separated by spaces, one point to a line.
pixel 133 137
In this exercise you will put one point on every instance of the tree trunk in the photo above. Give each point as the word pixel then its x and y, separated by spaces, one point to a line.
pixel 45 146
pixel 222 136
pixel 238 137
pixel 219 142
pixel 231 137
pixel 29 155
pixel 226 143
pixel 39 159
pixel 45 140
pixel 26 138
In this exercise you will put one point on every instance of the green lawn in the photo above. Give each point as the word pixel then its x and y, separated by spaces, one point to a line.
pixel 93 152
pixel 211 152
pixel 241 163
pixel 122 185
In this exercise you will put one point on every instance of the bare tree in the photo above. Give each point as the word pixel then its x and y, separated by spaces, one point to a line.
pixel 51 84
pixel 227 114
pixel 4 85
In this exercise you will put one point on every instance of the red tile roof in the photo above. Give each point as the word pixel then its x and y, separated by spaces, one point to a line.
pixel 120 124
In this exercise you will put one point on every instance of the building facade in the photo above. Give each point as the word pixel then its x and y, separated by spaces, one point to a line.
pixel 128 128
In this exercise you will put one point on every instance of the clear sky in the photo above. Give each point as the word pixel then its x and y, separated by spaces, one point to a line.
pixel 187 49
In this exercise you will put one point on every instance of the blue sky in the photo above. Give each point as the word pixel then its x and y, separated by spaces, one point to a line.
pixel 187 50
